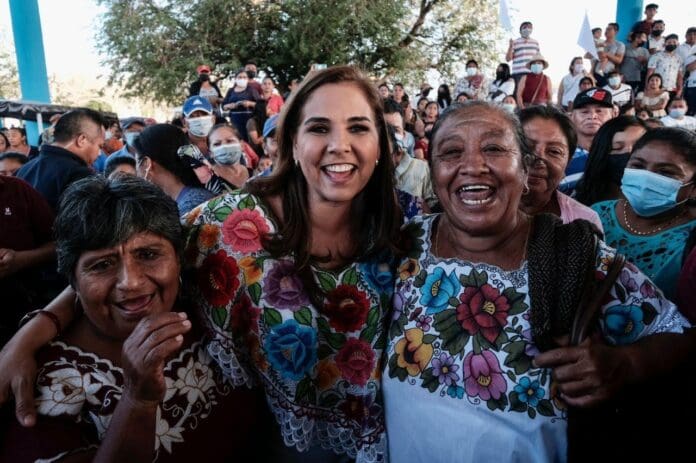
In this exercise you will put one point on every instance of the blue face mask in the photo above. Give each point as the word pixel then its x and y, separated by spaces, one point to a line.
pixel 648 193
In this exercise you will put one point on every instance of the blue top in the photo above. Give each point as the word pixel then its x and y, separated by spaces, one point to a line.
pixel 191 197
pixel 659 256
pixel 52 171
pixel 574 171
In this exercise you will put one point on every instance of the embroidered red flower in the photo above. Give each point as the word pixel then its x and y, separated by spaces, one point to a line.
pixel 243 230
pixel 356 360
pixel 346 307
pixel 483 309
pixel 244 317
pixel 217 278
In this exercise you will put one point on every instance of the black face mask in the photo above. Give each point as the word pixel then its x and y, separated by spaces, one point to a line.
pixel 670 48
pixel 656 33
pixel 499 75
pixel 204 77
pixel 617 164
pixel 251 74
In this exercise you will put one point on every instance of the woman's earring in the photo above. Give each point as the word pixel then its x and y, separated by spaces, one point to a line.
pixel 525 190
pixel 297 163
pixel 377 162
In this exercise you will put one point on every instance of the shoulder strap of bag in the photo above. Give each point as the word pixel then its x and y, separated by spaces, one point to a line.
pixel 592 296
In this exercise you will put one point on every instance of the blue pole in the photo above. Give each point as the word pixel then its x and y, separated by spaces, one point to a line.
pixel 628 12
pixel 31 61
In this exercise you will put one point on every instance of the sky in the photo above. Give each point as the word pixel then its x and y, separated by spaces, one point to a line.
pixel 69 28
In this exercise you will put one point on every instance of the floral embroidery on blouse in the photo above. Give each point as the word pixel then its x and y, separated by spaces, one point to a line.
pixel 461 329
pixel 86 388
pixel 320 368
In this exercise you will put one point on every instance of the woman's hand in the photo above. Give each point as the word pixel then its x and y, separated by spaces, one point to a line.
pixel 145 351
pixel 18 368
pixel 587 374
pixel 236 174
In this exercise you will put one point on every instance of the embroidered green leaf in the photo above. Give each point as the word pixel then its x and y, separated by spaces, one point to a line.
pixel 620 293
pixel 326 281
pixel 499 404
pixel 430 382
pixel 219 317
pixel 512 376
pixel 453 301
pixel 222 213
pixel 381 342
pixel 517 358
pixel 305 391
pixel 213 203
pixel 350 277
pixel 516 301
pixel 514 321
pixel 247 203
pixel 545 408
pixel 329 400
pixel 368 333
pixel 272 317
pixel 397 326
pixel 453 336
pixel 323 325
pixel 456 344
pixel 373 316
pixel 501 340
pixel 649 312
pixel 429 339
pixel 420 279
pixel 335 340
pixel 516 405
pixel 484 343
pixel 324 351
pixel 445 320
pixel 531 412
pixel 544 377
pixel 304 316
pixel 481 278
pixel 395 371
pixel 255 292
pixel 476 345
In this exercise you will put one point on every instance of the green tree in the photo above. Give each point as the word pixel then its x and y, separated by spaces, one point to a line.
pixel 9 79
pixel 153 46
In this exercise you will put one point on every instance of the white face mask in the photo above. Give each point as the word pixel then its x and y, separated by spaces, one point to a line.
pixel 107 135
pixel 677 113
pixel 200 126
pixel 242 83
pixel 131 137
pixel 227 154
pixel 526 32
pixel 614 81
pixel 578 68
pixel 537 68
pixel 509 107
pixel 471 71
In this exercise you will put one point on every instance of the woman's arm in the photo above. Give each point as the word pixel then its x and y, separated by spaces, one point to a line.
pixel 560 94
pixel 549 90
pixel 520 91
pixel 17 364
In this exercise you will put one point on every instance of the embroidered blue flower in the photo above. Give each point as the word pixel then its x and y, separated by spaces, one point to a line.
pixel 455 392
pixel 378 275
pixel 437 290
pixel 292 349
pixel 624 323
pixel 529 392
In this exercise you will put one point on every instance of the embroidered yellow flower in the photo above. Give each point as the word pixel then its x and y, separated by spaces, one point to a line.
pixel 412 353
pixel 327 373
pixel 252 271
pixel 409 269
pixel 208 236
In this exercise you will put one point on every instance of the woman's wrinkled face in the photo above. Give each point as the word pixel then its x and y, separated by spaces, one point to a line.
pixel 222 136
pixel 337 143
pixel 477 171
pixel 118 286
pixel 550 147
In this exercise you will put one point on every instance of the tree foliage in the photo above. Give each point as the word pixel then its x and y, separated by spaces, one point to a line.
pixel 153 46
pixel 9 79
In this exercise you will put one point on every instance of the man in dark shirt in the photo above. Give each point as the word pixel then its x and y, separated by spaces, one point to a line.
pixel 78 137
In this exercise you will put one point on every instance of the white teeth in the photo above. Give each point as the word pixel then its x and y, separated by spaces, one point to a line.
pixel 475 188
pixel 476 202
pixel 339 167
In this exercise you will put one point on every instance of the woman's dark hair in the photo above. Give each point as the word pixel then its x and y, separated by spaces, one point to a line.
pixel 160 143
pixel 97 213
pixel 7 142
pixel 478 106
pixel 653 75
pixel 506 72
pixel 551 113
pixel 444 98
pixel 118 161
pixel 586 79
pixel 681 141
pixel 595 183
pixel 374 217
pixel 225 125
pixel 471 61
pixel 572 63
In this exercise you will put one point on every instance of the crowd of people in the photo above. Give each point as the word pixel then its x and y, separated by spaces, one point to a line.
pixel 345 272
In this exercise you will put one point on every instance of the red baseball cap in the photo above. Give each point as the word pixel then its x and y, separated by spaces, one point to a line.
pixel 203 68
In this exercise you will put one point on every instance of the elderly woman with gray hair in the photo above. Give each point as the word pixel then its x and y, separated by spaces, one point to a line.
pixel 130 359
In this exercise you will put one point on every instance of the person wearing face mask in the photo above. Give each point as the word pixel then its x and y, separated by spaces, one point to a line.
pixel 621 94
pixel 509 104
pixel 656 42
pixel 669 65
pixel 611 57
pixel 676 117
pixel 570 84
pixel 502 86
pixel 131 127
pixel 521 50
pixel 251 69
pixel 198 120
pixel 204 87
pixel 635 61
pixel 473 84
pixel 534 87
pixel 240 101
pixel 657 184
pixel 609 153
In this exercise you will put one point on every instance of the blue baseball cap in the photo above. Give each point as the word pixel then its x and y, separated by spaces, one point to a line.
pixel 270 125
pixel 196 103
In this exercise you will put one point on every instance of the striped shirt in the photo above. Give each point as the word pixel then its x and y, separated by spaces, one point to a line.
pixel 523 50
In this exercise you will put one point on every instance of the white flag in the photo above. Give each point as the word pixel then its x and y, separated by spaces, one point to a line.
pixel 585 39
pixel 504 16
